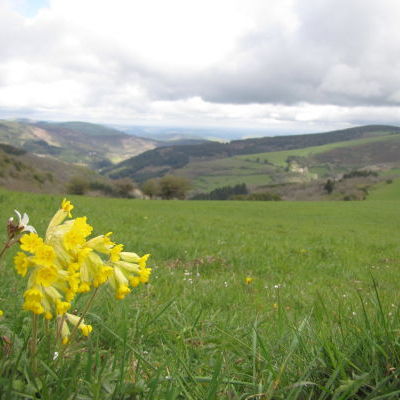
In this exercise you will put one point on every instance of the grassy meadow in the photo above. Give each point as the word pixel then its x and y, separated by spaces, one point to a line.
pixel 319 319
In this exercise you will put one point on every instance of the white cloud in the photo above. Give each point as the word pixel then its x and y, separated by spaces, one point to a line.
pixel 286 63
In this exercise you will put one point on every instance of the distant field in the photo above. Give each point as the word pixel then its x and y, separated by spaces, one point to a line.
pixel 208 175
pixel 263 168
pixel 311 313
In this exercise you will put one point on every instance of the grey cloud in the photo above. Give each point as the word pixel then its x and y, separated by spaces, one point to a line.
pixel 343 53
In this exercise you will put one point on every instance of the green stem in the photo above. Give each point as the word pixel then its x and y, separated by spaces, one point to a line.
pixel 73 333
pixel 4 250
pixel 7 245
pixel 33 344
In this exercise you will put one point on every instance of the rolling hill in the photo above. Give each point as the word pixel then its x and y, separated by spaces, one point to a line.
pixel 23 171
pixel 44 156
pixel 74 142
pixel 263 160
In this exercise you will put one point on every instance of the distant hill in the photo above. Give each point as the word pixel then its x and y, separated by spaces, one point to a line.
pixel 74 142
pixel 85 128
pixel 23 171
pixel 179 159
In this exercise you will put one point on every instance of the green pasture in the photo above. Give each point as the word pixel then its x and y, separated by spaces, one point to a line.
pixel 320 320
pixel 208 175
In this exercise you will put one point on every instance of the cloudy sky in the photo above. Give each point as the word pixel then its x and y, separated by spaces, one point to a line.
pixel 279 65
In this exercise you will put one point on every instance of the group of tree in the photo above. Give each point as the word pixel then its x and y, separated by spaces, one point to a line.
pixel 359 174
pixel 168 187
pixel 118 188
pixel 237 192
pixel 223 193
pixel 330 184
pixel 259 196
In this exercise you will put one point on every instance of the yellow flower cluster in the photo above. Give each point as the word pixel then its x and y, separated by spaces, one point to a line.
pixel 66 262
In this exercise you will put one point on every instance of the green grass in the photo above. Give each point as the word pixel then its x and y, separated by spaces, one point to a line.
pixel 319 321
pixel 387 190
pixel 208 175
pixel 280 157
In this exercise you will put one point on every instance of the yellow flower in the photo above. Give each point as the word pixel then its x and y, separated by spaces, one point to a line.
pixel 75 320
pixel 48 315
pixel 30 242
pixel 33 294
pixel 75 237
pixel 102 243
pixel 115 252
pixel 84 288
pixel 67 207
pixel 248 280
pixel 43 300
pixel 86 329
pixel 102 275
pixel 59 217
pixel 67 263
pixel 45 276
pixel 21 261
pixel 93 271
pixel 62 307
pixel 134 258
pixel 144 274
pixel 130 257
pixel 134 281
pixel 122 291
pixel 33 298
pixel 1 313
pixel 44 255
pixel 128 273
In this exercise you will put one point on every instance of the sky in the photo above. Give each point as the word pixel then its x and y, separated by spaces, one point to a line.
pixel 283 66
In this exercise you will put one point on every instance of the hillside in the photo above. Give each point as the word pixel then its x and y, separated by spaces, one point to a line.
pixel 23 171
pixel 190 160
pixel 74 142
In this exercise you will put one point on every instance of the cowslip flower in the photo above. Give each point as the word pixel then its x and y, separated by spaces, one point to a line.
pixel 248 280
pixel 75 321
pixel 67 262
pixel 128 270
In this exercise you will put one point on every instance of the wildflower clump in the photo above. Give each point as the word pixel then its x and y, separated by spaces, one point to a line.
pixel 67 262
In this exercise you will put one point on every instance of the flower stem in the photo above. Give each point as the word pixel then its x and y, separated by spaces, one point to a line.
pixel 33 343
pixel 85 310
pixel 7 245
pixel 5 248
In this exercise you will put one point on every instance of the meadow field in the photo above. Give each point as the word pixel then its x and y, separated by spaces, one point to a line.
pixel 247 300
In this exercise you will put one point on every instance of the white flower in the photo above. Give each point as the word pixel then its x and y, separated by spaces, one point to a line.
pixel 23 223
